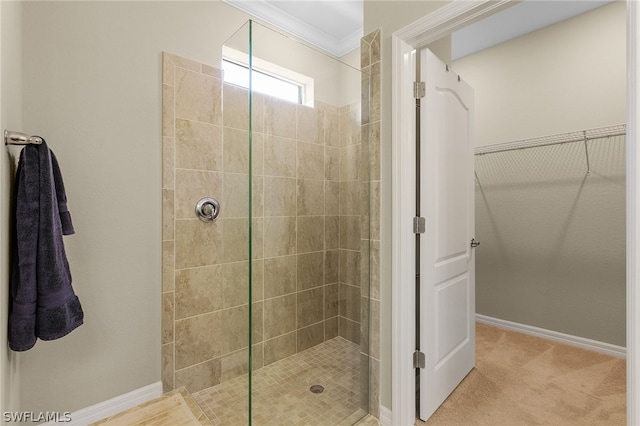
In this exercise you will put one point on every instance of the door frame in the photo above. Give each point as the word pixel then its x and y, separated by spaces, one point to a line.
pixel 432 27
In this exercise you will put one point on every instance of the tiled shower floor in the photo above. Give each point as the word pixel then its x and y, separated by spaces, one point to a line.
pixel 281 394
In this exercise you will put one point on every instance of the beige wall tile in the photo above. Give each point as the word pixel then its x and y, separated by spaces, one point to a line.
pixel 331 266
pixel 279 316
pixel 257 322
pixel 235 106
pixel 375 92
pixel 331 300
pixel 257 279
pixel 310 268
pixel 350 267
pixel 350 302
pixel 235 150
pixel 331 328
pixel 279 236
pixel 310 161
pixel 259 105
pixel 191 186
pixel 350 232
pixel 332 198
pixel 310 124
pixel 374 329
pixel 199 376
pixel 279 348
pixel 280 118
pixel 374 150
pixel 168 111
pixel 167 214
pixel 234 364
pixel 198 291
pixel 349 330
pixel 257 238
pixel 350 163
pixel 168 70
pixel 168 313
pixel 198 145
pixel 257 356
pixel 185 63
pixel 279 156
pixel 310 307
pixel 235 240
pixel 310 233
pixel 332 163
pixel 167 367
pixel 350 198
pixel 310 336
pixel 281 195
pixel 235 328
pixel 197 243
pixel 332 129
pixel 331 232
pixel 198 339
pixel 375 270
pixel 235 284
pixel 375 210
pixel 279 276
pixel 168 163
pixel 257 205
pixel 310 200
pixel 197 97
pixel 235 200
pixel 168 266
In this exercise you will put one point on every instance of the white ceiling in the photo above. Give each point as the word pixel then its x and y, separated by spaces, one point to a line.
pixel 335 26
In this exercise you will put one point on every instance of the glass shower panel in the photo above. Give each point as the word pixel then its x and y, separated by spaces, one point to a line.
pixel 230 399
pixel 299 121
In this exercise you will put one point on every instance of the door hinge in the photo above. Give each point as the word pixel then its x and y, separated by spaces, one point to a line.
pixel 419 225
pixel 418 360
pixel 419 89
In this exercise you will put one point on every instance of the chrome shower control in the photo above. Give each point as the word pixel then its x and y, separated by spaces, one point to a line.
pixel 207 209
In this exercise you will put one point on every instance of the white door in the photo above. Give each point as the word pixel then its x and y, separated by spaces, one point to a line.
pixel 447 283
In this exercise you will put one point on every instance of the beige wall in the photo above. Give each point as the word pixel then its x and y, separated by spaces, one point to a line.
pixel 11 118
pixel 553 238
pixel 569 76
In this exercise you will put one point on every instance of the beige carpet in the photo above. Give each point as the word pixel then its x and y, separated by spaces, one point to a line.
pixel 524 380
pixel 176 408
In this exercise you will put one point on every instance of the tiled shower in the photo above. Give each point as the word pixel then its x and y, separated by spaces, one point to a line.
pixel 314 233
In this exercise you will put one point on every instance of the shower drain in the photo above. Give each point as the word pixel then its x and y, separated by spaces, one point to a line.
pixel 317 388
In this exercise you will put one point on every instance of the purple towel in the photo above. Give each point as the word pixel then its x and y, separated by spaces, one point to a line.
pixel 42 303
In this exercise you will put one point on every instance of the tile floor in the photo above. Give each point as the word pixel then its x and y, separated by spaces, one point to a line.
pixel 281 394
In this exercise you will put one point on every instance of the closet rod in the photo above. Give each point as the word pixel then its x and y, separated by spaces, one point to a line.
pixel 17 138
pixel 583 135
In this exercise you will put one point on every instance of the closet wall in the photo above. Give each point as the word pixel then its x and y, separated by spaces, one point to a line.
pixel 552 251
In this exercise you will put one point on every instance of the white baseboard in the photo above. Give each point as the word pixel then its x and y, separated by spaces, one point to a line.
pixel 385 416
pixel 112 406
pixel 567 339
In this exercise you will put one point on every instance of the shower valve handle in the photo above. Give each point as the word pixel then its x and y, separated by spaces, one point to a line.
pixel 207 209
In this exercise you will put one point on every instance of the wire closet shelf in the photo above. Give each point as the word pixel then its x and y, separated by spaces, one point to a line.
pixel 562 138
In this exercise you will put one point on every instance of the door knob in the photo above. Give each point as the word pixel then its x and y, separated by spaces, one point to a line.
pixel 474 243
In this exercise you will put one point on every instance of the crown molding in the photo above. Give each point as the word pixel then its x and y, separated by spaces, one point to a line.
pixel 278 18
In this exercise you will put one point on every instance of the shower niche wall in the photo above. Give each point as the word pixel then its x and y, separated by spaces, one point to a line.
pixel 272 298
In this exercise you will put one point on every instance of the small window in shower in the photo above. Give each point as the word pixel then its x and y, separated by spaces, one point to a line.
pixel 268 78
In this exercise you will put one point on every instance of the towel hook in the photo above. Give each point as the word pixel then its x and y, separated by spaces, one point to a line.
pixel 18 138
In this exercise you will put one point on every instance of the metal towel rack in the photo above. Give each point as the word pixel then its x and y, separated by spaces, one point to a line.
pixel 17 138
